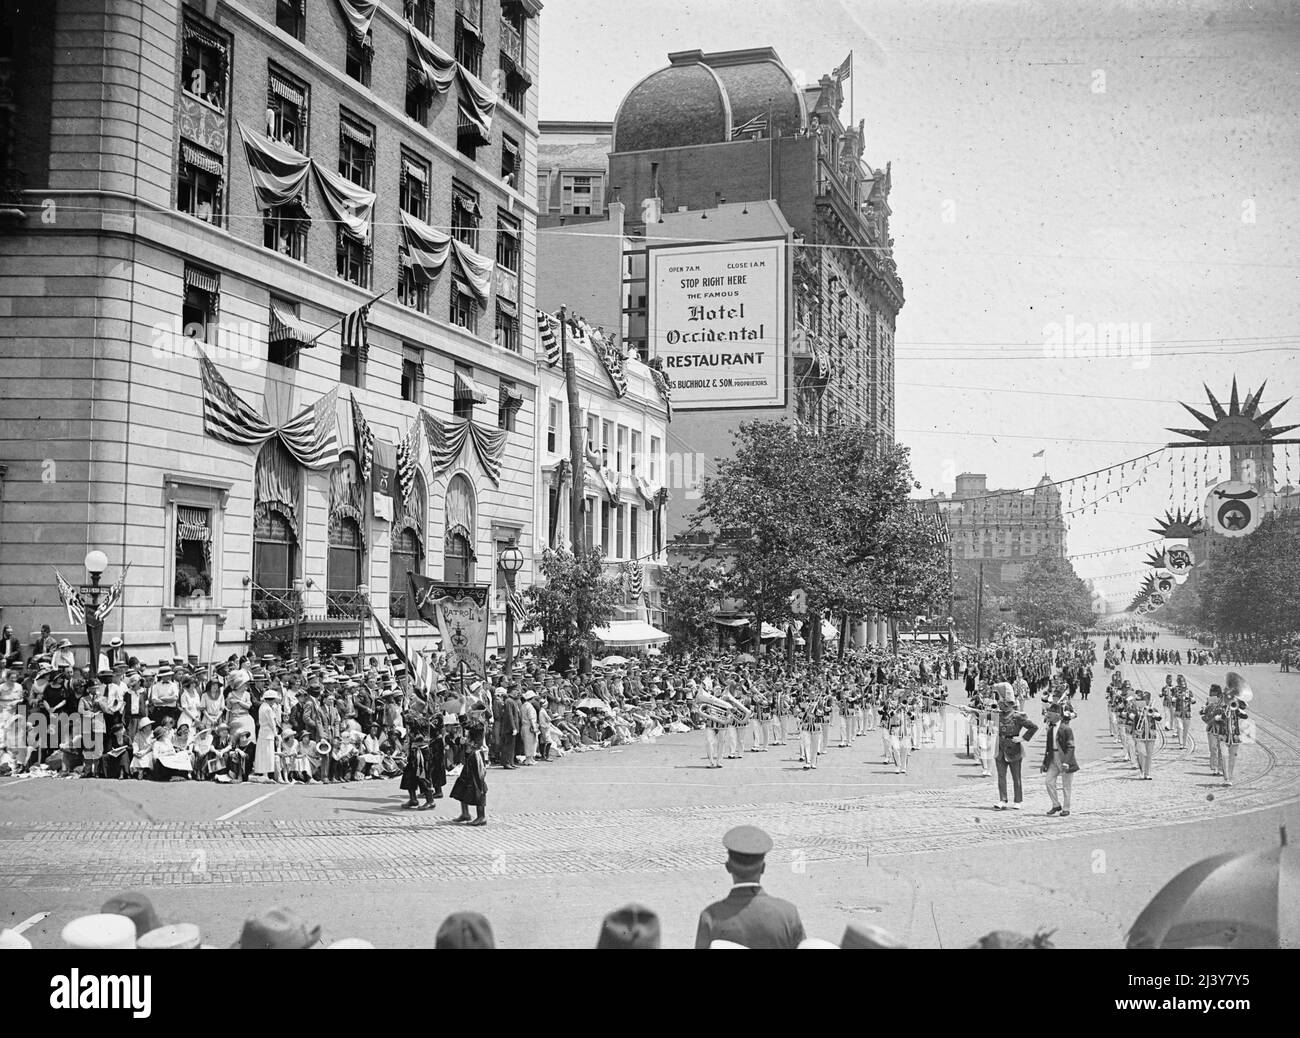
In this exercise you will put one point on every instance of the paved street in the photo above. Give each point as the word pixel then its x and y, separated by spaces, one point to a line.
pixel 922 854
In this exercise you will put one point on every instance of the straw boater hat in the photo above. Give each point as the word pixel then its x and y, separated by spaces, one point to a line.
pixel 175 937
pixel 12 940
pixel 102 931
pixel 270 694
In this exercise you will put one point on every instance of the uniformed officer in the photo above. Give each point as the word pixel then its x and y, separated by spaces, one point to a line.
pixel 749 916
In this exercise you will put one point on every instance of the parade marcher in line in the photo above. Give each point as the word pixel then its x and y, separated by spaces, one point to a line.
pixel 1014 730
pixel 1145 722
pixel 471 784
pixel 748 916
pixel 1182 702
pixel 1211 715
pixel 809 730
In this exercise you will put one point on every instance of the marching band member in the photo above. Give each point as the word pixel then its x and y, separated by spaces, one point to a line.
pixel 1145 723
pixel 1210 715
pixel 715 724
pixel 883 695
pixel 809 730
pixel 1182 706
pixel 1167 703
pixel 761 705
pixel 899 738
pixel 848 707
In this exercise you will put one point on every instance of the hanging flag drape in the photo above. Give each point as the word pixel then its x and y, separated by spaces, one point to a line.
pixel 71 600
pixel 192 525
pixel 447 439
pixel 427 249
pixel 310 436
pixel 358 14
pixel 662 384
pixel 477 102
pixel 350 206
pixel 434 69
pixel 477 270
pixel 365 438
pixel 279 172
pixel 548 337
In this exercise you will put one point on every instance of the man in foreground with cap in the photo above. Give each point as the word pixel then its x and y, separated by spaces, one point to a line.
pixel 749 916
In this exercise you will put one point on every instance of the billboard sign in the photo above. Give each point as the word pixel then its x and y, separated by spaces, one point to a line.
pixel 717 319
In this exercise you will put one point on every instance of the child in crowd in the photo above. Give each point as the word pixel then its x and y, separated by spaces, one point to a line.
pixel 286 758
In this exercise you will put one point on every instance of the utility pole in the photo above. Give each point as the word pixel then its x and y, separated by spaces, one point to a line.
pixel 576 456
pixel 979 607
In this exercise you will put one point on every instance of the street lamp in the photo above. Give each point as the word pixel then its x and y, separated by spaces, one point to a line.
pixel 96 563
pixel 510 560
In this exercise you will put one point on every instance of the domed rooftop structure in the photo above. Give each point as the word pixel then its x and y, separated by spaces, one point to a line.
pixel 703 98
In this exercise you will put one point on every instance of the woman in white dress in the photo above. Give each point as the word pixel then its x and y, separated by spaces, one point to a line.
pixel 212 705
pixel 267 725
pixel 191 704
pixel 239 704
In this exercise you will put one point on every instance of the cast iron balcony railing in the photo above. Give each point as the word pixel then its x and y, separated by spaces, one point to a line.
pixel 271 603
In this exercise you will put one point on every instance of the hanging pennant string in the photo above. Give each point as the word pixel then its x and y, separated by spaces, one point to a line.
pixel 1094 475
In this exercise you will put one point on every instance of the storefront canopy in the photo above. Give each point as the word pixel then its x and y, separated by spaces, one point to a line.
pixel 631 634
pixel 772 632
pixel 737 622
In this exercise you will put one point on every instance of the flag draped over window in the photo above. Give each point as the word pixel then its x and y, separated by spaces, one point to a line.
pixel 279 172
pixel 311 436
pixel 365 440
pixel 71 600
pixel 349 205
pixel 433 69
pixel 358 15
pixel 426 248
pixel 477 269
pixel 662 384
pixel 447 439
pixel 477 102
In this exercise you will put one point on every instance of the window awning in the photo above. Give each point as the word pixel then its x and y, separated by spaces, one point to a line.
pixel 201 35
pixel 630 634
pixel 772 632
pixel 509 147
pixel 285 327
pixel 200 158
pixel 201 279
pixel 413 171
pixel 739 621
pixel 469 25
pixel 465 389
pixel 350 131
pixel 509 396
pixel 467 202
pixel 507 306
pixel 287 90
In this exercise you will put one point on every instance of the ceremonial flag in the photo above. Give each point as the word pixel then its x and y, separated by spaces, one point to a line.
pixel 1041 454
pixel 365 439
pixel 408 460
pixel 547 338
pixel 517 606
pixel 385 479
pixel 311 436
pixel 225 416
pixel 460 612
pixel 758 124
pixel 113 597
pixel 844 69
pixel 71 600
pixel 393 646
pixel 353 333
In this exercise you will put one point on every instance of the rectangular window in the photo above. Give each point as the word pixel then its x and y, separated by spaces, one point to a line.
pixel 465 215
pixel 469 36
pixel 464 307
pixel 633 532
pixel 516 91
pixel 193 558
pixel 620 520
pixel 411 290
pixel 291 17
pixel 412 188
pixel 417 95
pixel 552 515
pixel 420 14
pixel 203 65
pixel 580 195
pixel 357 152
pixel 199 182
pixel 356 62
pixel 286 110
pixel 654 459
pixel 284 229
pixel 510 163
pixel 620 455
pixel 351 367
pixel 589 522
pixel 553 419
pixel 507 326
pixel 462 402
pixel 606 541
pixel 634 453
pixel 507 242
pixel 508 405
pixel 593 427
pixel 543 191
pixel 606 441
pixel 412 374
pixel 353 260
pixel 199 308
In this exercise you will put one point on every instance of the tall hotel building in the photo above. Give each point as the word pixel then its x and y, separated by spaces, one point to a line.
pixel 230 180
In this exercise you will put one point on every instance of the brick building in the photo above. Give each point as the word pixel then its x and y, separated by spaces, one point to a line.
pixel 396 141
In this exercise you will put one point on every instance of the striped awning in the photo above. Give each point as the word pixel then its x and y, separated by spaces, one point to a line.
pixel 199 158
pixel 201 279
pixel 288 91
pixel 507 306
pixel 465 389
pixel 285 327
pixel 352 132
pixel 201 35
pixel 510 397
pixel 413 171
pixel 467 202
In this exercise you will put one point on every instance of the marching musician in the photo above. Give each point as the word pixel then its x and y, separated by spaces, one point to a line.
pixel 1182 704
pixel 810 726
pixel 761 719
pixel 848 707
pixel 1144 720
pixel 715 724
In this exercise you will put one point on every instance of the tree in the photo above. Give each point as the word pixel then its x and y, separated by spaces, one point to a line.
pixel 575 599
pixel 1051 601
pixel 690 596
pixel 1251 585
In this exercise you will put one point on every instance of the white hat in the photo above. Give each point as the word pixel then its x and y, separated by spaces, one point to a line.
pixel 11 939
pixel 92 932
pixel 817 942
pixel 719 943
pixel 352 942
pixel 270 694
pixel 166 938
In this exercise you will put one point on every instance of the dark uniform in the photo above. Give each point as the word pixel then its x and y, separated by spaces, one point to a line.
pixel 749 916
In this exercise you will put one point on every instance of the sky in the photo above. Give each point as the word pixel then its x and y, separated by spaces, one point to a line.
pixel 1054 166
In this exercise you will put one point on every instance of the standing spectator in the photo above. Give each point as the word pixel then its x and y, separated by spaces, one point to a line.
pixel 528 726
pixel 748 916
pixel 1059 763
pixel 264 755
pixel 1014 730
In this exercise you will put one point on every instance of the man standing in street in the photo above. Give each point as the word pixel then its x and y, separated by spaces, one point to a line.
pixel 748 916
pixel 1059 761
pixel 1014 730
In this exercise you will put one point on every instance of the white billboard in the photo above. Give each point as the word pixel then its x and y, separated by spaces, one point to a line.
pixel 717 318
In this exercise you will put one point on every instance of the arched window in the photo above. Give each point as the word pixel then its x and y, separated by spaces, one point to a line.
pixel 458 549
pixel 277 522
pixel 345 566
pixel 407 548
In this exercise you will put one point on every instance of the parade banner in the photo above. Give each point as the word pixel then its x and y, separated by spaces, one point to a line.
pixel 1234 508
pixel 460 612
pixel 717 322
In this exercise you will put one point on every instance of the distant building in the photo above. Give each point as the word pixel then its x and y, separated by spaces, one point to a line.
pixel 573 172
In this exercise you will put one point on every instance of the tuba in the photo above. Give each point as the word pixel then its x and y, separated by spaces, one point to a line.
pixel 718 709
pixel 323 748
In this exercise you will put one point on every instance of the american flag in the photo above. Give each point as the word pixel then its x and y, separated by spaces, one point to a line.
pixel 225 416
pixel 758 124
pixel 517 606
pixel 419 668
pixel 845 68
pixel 71 600
pixel 311 436
pixel 612 361
pixel 353 333
pixel 113 597
pixel 408 460
pixel 365 439
pixel 546 336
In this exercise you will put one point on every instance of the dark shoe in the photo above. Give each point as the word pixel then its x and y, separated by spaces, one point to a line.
pixel 462 818
pixel 479 821
pixel 1054 811
pixel 1064 813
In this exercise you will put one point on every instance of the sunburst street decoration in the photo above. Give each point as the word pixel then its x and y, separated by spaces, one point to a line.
pixel 1156 560
pixel 1240 425
pixel 1178 524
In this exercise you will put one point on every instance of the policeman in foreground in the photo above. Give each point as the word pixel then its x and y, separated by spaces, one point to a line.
pixel 749 916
